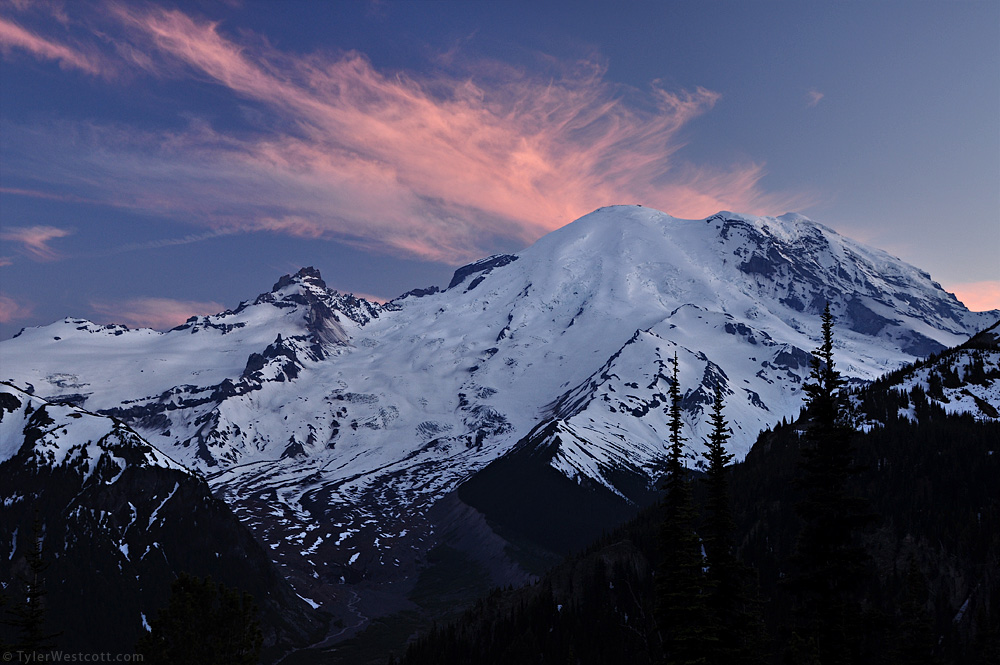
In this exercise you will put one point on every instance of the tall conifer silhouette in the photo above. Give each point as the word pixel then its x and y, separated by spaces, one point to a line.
pixel 732 604
pixel 828 563
pixel 681 584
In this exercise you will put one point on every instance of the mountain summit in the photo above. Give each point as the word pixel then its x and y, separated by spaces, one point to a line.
pixel 337 428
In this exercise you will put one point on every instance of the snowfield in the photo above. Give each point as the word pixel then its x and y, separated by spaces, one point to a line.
pixel 316 413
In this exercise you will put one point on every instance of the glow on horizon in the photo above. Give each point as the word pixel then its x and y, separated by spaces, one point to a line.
pixel 978 296
pixel 156 313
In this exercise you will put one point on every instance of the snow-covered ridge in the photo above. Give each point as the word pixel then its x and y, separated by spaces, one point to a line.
pixel 482 359
pixel 63 436
pixel 103 366
pixel 964 379
pixel 330 411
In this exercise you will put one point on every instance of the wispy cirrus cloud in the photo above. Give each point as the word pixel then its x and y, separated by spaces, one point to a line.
pixel 156 313
pixel 52 196
pixel 15 37
pixel 813 97
pixel 978 296
pixel 440 166
pixel 34 240
pixel 12 310
pixel 162 242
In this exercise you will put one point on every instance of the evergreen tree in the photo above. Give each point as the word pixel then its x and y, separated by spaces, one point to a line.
pixel 681 585
pixel 950 377
pixel 28 617
pixel 935 388
pixel 719 521
pixel 828 563
pixel 204 623
pixel 733 608
pixel 915 639
pixel 3 605
pixel 976 371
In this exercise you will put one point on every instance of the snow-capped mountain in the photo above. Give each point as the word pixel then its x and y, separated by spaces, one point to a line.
pixel 334 425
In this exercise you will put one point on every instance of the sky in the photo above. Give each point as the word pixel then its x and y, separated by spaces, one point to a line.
pixel 165 159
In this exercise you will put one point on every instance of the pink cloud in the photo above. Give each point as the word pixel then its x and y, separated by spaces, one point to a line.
pixel 813 98
pixel 12 310
pixel 157 313
pixel 6 261
pixel 978 296
pixel 34 240
pixel 442 167
pixel 14 36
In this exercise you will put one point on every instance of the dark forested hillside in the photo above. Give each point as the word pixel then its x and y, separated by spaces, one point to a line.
pixel 929 568
pixel 95 524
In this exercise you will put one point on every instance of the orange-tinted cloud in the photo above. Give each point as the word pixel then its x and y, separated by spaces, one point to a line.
pixel 443 166
pixel 156 313
pixel 978 296
pixel 12 310
pixel 13 36
pixel 34 240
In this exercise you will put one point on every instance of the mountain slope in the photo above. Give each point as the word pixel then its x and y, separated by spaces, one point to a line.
pixel 928 471
pixel 333 426
pixel 963 379
pixel 118 521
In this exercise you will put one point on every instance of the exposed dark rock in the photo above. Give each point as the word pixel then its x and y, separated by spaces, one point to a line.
pixel 863 320
pixel 759 265
pixel 920 345
pixel 309 272
pixel 294 449
pixel 73 399
pixel 792 358
pixel 418 293
pixel 481 266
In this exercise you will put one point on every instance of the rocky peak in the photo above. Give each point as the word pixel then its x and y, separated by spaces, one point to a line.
pixel 308 275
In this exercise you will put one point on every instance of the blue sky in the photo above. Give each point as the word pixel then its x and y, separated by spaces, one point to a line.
pixel 159 160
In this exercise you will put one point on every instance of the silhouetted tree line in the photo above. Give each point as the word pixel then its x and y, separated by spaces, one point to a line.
pixel 22 602
pixel 204 622
pixel 825 545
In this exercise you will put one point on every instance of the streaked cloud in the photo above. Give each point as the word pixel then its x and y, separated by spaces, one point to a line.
pixel 813 97
pixel 14 37
pixel 162 242
pixel 443 166
pixel 52 196
pixel 978 296
pixel 156 313
pixel 34 240
pixel 12 310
